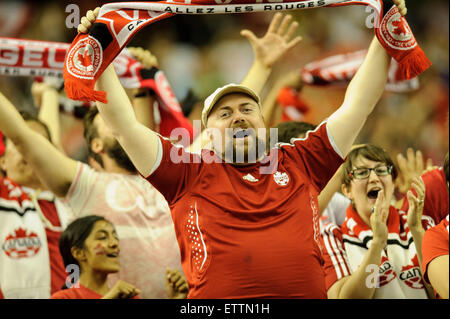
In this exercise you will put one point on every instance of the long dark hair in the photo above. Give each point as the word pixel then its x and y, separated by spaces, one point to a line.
pixel 75 235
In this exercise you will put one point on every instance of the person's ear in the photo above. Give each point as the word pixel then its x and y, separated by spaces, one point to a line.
pixel 97 145
pixel 346 190
pixel 209 134
pixel 78 253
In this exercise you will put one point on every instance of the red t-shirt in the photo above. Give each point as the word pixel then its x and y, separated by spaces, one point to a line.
pixel 81 292
pixel 436 203
pixel 76 293
pixel 244 234
pixel 434 244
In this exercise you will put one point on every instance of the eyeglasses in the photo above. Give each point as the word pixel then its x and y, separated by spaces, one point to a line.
pixel 363 173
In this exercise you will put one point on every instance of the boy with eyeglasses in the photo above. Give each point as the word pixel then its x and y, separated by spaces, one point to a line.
pixel 378 248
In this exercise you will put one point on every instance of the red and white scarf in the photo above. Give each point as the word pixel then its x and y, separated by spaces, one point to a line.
pixel 117 23
pixel 20 57
pixel 399 271
pixel 340 69
pixel 24 255
pixel 293 107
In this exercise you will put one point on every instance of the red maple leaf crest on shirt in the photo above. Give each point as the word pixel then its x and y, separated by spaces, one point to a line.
pixel 21 233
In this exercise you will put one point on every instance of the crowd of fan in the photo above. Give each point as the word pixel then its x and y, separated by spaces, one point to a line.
pixel 104 231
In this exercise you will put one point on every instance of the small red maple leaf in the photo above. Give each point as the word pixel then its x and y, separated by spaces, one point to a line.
pixel 85 58
pixel 400 27
pixel 414 261
pixel 20 233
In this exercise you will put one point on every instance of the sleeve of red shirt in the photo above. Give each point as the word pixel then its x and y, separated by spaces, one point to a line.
pixel 434 244
pixel 62 294
pixel 436 203
pixel 317 155
pixel 174 173
pixel 336 264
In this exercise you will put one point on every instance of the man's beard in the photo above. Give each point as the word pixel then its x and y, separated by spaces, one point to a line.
pixel 238 155
pixel 114 150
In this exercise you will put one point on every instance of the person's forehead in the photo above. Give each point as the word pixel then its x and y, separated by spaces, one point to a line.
pixel 362 161
pixel 102 225
pixel 233 100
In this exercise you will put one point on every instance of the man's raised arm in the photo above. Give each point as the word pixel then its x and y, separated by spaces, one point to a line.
pixel 139 142
pixel 362 95
pixel 55 170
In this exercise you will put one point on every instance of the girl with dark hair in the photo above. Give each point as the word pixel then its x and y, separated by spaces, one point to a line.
pixel 90 245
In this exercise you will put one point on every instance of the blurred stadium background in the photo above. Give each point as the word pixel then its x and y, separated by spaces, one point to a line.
pixel 201 52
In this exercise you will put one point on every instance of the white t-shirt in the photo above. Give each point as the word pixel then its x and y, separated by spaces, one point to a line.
pixel 142 219
pixel 336 210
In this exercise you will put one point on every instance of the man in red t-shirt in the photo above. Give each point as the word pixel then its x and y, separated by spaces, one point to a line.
pixel 248 227
pixel 246 216
pixel 241 230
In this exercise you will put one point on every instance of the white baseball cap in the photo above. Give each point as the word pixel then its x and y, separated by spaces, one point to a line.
pixel 224 90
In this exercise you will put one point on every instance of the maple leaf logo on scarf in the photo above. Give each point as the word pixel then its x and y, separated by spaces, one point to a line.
pixel 387 273
pixel 84 59
pixel 400 28
pixel 411 274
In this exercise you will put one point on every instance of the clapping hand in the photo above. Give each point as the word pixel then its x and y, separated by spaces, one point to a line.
pixel 176 285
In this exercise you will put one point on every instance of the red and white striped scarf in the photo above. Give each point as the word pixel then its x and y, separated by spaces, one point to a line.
pixel 117 23
pixel 340 69
pixel 335 70
pixel 21 57
pixel 293 107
